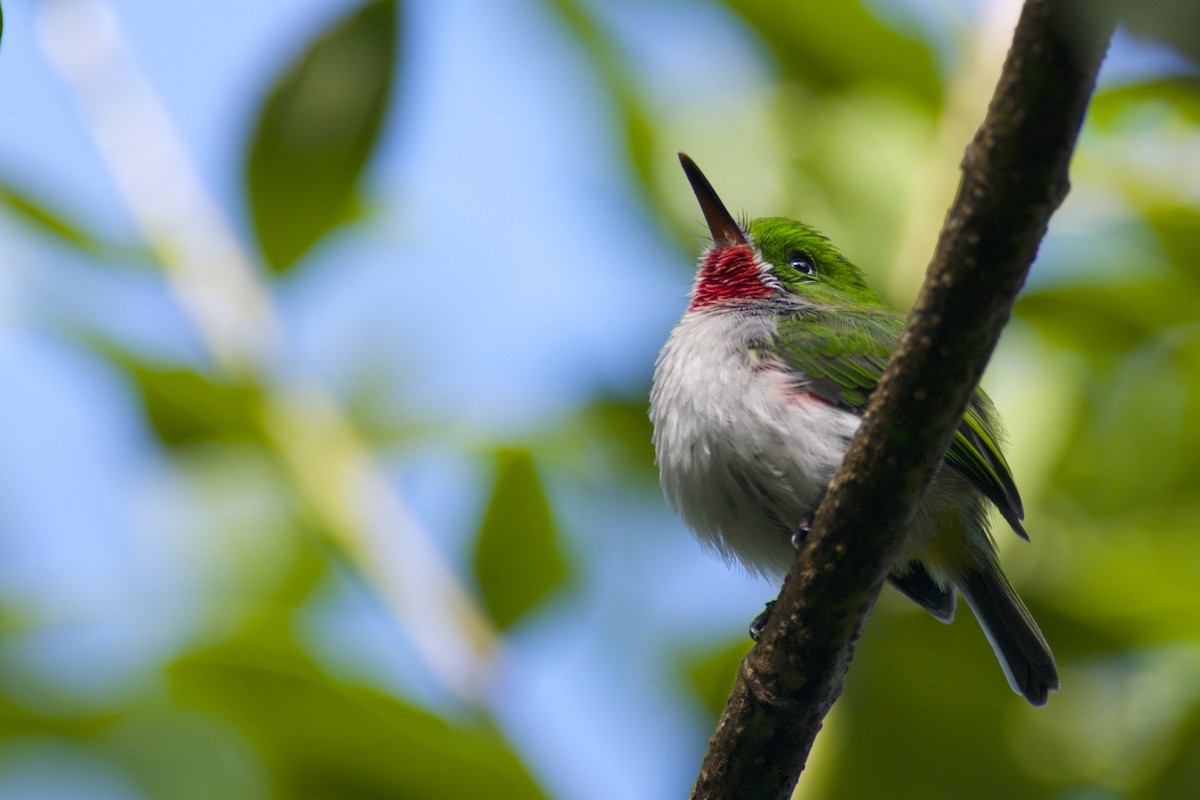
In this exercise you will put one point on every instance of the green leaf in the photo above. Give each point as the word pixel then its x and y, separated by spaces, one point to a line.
pixel 177 754
pixel 47 221
pixel 1180 92
pixel 829 47
pixel 1178 231
pixel 322 738
pixel 517 560
pixel 316 131
pixel 622 427
pixel 21 721
pixel 711 673
pixel 53 224
pixel 185 407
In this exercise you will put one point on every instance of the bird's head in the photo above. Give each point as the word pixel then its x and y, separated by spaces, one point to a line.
pixel 768 257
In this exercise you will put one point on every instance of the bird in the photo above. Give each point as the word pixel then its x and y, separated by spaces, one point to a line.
pixel 756 394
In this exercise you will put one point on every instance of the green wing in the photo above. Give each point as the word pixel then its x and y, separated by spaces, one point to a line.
pixel 976 454
pixel 840 357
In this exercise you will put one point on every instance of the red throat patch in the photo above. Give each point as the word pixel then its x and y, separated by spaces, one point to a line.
pixel 728 273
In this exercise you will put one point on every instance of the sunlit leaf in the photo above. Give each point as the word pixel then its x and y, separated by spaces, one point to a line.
pixel 831 46
pixel 517 558
pixel 1181 92
pixel 316 131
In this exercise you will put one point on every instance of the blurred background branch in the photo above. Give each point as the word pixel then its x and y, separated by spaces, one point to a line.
pixel 218 281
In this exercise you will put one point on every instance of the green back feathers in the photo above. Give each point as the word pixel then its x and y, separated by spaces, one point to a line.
pixel 840 346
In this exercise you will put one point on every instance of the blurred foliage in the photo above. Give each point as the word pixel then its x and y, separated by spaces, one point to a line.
pixel 848 115
pixel 1173 21
pixel 50 222
pixel 319 738
pixel 517 559
pixel 842 47
pixel 316 131
pixel 711 673
pixel 1179 93
pixel 636 121
pixel 185 407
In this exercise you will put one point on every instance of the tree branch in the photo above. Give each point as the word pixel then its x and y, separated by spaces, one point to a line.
pixel 1014 177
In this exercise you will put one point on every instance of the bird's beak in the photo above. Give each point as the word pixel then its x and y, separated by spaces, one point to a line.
pixel 725 230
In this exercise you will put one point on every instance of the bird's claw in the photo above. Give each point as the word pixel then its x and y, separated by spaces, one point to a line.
pixel 801 532
pixel 760 622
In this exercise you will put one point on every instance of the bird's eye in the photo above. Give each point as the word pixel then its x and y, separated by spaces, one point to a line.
pixel 801 263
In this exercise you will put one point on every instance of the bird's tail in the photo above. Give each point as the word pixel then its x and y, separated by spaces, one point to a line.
pixel 1008 625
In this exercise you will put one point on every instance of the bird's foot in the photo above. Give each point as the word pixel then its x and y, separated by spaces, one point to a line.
pixel 802 531
pixel 798 536
pixel 760 622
